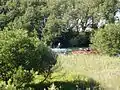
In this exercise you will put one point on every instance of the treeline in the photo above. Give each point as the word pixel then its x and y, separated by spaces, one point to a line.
pixel 69 22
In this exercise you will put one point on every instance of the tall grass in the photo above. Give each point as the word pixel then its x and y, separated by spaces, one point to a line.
pixel 104 69
pixel 71 70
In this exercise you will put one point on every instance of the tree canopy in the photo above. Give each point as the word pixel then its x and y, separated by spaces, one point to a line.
pixel 56 19
pixel 107 40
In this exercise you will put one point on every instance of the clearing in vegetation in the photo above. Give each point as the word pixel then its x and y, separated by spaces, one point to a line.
pixel 103 69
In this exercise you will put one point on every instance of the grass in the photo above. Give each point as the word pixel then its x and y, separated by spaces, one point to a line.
pixel 104 69
pixel 85 69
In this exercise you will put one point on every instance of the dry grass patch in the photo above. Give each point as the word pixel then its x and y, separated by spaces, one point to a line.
pixel 104 69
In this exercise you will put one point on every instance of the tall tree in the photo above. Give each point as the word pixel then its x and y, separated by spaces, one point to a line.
pixel 52 18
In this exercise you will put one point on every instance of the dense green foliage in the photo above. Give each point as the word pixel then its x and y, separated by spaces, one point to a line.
pixel 56 20
pixel 17 49
pixel 28 27
pixel 107 40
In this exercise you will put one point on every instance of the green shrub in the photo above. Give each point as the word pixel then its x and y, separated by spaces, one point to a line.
pixel 81 40
pixel 17 48
pixel 19 81
pixel 22 77
pixel 107 40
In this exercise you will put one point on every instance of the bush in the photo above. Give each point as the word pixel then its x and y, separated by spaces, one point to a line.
pixel 107 40
pixel 19 80
pixel 17 48
pixel 81 40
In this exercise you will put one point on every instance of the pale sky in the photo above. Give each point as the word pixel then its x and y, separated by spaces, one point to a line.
pixel 118 14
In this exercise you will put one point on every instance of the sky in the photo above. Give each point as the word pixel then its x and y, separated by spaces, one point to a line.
pixel 117 15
